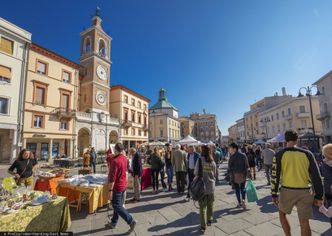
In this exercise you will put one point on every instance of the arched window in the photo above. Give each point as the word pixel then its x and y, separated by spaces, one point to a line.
pixel 102 48
pixel 87 45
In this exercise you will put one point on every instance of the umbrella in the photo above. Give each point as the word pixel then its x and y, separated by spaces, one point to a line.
pixel 280 138
pixel 259 141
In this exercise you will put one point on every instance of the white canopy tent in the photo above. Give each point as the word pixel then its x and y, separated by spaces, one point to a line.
pixel 188 140
pixel 157 143
pixel 280 138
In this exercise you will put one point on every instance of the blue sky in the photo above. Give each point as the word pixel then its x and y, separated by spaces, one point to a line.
pixel 212 54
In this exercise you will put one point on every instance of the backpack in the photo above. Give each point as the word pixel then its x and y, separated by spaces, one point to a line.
pixel 197 187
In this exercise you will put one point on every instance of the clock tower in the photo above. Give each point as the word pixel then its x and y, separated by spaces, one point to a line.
pixel 95 58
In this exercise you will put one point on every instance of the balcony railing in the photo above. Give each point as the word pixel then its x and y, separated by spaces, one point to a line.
pixel 323 115
pixel 63 112
pixel 127 123
pixel 303 115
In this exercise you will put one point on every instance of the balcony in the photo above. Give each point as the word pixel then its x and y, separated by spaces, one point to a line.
pixel 63 112
pixel 127 123
pixel 303 115
pixel 323 115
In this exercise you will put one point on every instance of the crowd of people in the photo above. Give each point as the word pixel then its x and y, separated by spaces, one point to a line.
pixel 296 178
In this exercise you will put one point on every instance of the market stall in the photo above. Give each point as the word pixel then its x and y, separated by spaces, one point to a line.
pixel 48 181
pixel 65 162
pixel 34 212
pixel 92 188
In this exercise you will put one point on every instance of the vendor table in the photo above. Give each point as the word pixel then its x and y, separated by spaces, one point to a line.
pixel 146 178
pixel 65 162
pixel 51 217
pixel 98 196
pixel 49 184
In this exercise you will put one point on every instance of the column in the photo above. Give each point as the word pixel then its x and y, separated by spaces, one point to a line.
pixel 50 146
pixel 14 146
pixel 24 143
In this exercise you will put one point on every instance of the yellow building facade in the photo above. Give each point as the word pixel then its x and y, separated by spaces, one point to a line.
pixel 50 104
pixel 131 109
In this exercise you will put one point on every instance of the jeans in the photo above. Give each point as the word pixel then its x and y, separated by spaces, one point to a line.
pixel 170 173
pixel 240 191
pixel 93 165
pixel 155 181
pixel 180 181
pixel 191 177
pixel 206 209
pixel 137 188
pixel 162 178
pixel 119 210
pixel 268 172
pixel 259 163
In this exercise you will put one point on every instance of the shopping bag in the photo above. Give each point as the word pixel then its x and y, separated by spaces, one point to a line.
pixel 9 183
pixel 251 192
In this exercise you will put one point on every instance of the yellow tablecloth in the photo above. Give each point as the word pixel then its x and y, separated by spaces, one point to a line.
pixel 48 217
pixel 98 196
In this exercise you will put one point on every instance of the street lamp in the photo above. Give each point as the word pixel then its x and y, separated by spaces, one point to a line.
pixel 308 93
pixel 265 120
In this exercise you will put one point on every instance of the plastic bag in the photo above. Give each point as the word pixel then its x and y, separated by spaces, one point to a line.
pixel 251 192
pixel 9 183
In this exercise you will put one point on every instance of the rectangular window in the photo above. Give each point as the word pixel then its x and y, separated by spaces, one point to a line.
pixel 133 131
pixel 161 133
pixel 65 101
pixel 139 132
pixel 327 125
pixel 125 115
pixel 139 118
pixel 145 119
pixel 126 131
pixel 283 113
pixel 277 116
pixel 6 45
pixel 139 104
pixel 161 121
pixel 133 102
pixel 4 105
pixel 5 74
pixel 133 116
pixel 145 107
pixel 65 77
pixel 289 111
pixel 38 121
pixel 303 124
pixel 40 93
pixel 302 109
pixel 126 99
pixel 64 124
pixel 41 68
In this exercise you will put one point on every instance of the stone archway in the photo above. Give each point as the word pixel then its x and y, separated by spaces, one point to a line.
pixel 114 137
pixel 83 140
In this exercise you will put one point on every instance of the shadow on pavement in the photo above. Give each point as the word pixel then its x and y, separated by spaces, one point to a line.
pixel 152 207
pixel 189 220
pixel 266 205
pixel 227 211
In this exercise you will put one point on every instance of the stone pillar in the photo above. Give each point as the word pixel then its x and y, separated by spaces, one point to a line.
pixel 24 143
pixel 50 158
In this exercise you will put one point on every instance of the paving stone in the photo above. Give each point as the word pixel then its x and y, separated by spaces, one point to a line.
pixel 230 227
pixel 264 229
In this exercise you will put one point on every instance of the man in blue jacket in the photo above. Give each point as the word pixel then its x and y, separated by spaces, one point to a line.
pixel 137 173
pixel 192 157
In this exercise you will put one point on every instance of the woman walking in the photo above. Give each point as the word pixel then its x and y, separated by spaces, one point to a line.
pixel 156 165
pixel 252 161
pixel 238 169
pixel 23 167
pixel 209 169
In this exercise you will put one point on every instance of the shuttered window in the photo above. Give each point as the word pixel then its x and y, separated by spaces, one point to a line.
pixel 4 105
pixel 66 77
pixel 6 45
pixel 5 74
pixel 65 101
pixel 41 68
pixel 40 95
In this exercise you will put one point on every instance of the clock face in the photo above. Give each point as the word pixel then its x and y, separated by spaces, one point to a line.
pixel 101 73
pixel 100 98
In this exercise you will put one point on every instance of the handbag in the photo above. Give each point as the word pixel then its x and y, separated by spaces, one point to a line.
pixel 197 186
pixel 19 180
pixel 239 178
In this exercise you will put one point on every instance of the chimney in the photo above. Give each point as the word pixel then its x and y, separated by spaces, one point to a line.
pixel 283 89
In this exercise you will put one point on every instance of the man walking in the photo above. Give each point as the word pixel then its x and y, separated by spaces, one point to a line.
pixel 93 159
pixel 299 173
pixel 137 173
pixel 117 186
pixel 180 166
pixel 267 157
pixel 191 158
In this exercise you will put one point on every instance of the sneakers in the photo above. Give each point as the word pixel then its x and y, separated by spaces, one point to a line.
pixel 132 226
pixel 111 225
pixel 243 205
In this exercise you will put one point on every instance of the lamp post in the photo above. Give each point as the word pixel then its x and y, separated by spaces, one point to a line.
pixel 308 93
pixel 265 120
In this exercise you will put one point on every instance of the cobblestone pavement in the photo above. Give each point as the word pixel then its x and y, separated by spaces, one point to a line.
pixel 169 214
